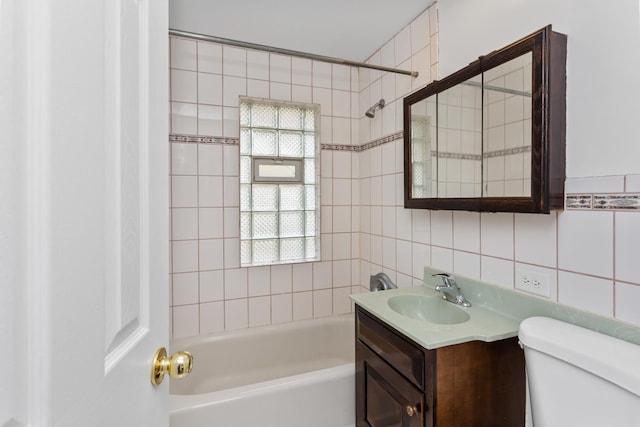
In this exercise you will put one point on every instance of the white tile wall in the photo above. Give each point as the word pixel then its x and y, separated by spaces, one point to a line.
pixel 586 292
pixel 281 308
pixel 259 311
pixel 536 239
pixel 497 271
pixel 302 305
pixel 585 242
pixel 626 302
pixel 236 314
pixel 497 234
pixel 589 256
pixel 627 246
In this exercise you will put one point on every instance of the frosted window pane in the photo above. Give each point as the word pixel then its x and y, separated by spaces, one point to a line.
pixel 278 221
pixel 265 225
pixel 245 197
pixel 311 247
pixel 291 224
pixel 417 151
pixel 291 197
pixel 310 120
pixel 310 226
pixel 245 251
pixel 291 118
pixel 265 251
pixel 290 144
pixel 245 225
pixel 264 143
pixel 310 197
pixel 263 115
pixel 274 171
pixel 245 170
pixel 292 249
pixel 309 145
pixel 245 115
pixel 418 173
pixel 245 141
pixel 309 171
pixel 265 197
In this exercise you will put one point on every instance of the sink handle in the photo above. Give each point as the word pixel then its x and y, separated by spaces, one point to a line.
pixel 451 291
pixel 448 279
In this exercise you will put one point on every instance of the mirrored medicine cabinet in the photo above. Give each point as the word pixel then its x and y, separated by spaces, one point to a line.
pixel 491 136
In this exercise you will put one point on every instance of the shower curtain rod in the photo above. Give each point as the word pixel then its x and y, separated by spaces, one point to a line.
pixel 296 53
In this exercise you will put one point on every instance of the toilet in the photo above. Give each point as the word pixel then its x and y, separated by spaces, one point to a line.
pixel 578 377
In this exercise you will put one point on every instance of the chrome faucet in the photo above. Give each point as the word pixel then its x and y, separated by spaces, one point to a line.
pixel 380 282
pixel 450 290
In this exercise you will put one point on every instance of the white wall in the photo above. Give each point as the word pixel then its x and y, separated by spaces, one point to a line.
pixel 603 84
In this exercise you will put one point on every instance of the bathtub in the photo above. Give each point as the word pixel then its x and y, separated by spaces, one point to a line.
pixel 287 375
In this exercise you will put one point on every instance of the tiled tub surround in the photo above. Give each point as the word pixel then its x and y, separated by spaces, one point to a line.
pixel 210 292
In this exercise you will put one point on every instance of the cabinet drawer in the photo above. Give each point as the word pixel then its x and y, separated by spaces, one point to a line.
pixel 386 397
pixel 406 357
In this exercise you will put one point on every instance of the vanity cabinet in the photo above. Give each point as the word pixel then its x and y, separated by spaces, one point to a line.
pixel 399 383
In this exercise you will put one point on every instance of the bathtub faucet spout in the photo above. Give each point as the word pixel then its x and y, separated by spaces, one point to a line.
pixel 380 282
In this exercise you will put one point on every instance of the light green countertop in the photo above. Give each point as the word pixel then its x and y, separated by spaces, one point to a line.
pixel 483 325
pixel 495 314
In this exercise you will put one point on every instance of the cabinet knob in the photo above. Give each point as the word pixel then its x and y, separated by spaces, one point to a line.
pixel 411 410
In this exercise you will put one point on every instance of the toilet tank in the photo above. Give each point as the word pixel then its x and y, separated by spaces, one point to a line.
pixel 578 377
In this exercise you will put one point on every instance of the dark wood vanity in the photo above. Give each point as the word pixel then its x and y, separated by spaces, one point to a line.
pixel 399 383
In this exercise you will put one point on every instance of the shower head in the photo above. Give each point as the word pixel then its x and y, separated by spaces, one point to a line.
pixel 371 112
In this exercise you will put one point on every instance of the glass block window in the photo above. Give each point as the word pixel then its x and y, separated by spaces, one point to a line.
pixel 279 183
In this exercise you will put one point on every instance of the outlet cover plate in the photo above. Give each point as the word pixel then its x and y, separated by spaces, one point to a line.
pixel 532 281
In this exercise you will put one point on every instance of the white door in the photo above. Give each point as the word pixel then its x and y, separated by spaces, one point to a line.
pixel 83 211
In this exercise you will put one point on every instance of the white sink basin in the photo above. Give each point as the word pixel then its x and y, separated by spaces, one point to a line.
pixel 428 309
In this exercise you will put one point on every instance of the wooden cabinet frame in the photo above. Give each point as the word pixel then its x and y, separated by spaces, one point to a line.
pixel 549 51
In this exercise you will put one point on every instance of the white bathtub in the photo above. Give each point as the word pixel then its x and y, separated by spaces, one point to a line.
pixel 288 375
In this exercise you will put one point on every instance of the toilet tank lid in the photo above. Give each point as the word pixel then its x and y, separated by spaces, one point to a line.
pixel 610 358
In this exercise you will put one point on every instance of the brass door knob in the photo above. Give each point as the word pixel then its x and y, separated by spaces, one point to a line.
pixel 179 365
pixel 411 410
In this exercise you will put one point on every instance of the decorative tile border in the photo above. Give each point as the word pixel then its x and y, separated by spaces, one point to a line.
pixel 620 202
pixel 579 201
pixel 460 156
pixel 340 147
pixel 195 139
pixel 383 140
pixel 359 148
pixel 497 153
pixel 617 201
pixel 507 152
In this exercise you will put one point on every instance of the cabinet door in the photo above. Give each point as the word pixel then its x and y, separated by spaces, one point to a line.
pixel 385 398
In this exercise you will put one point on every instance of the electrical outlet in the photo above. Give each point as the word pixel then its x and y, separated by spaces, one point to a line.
pixel 532 281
